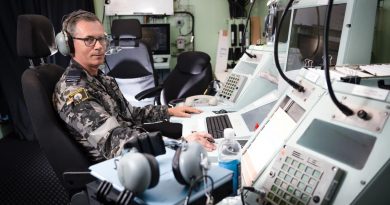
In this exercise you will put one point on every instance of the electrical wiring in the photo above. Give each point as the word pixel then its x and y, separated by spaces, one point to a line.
pixel 192 26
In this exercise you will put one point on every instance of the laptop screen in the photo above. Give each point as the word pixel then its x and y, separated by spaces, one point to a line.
pixel 254 117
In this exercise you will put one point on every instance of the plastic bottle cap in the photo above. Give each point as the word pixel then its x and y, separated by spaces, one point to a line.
pixel 228 133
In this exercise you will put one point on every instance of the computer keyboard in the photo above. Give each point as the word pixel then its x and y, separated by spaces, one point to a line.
pixel 216 125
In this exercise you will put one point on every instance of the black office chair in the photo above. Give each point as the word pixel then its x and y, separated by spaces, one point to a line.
pixel 131 61
pixel 35 40
pixel 191 76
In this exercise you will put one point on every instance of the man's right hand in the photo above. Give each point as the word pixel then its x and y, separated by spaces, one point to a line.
pixel 183 111
pixel 203 138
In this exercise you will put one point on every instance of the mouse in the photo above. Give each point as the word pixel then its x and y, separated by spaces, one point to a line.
pixel 222 111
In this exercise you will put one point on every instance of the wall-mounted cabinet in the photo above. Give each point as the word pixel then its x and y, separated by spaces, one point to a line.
pixel 139 7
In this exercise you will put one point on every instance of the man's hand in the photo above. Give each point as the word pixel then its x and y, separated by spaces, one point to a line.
pixel 203 138
pixel 183 111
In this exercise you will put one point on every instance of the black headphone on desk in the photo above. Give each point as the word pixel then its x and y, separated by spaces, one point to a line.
pixel 64 39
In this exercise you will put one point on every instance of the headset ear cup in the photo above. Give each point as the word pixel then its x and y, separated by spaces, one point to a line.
pixel 186 164
pixel 70 43
pixel 176 167
pixel 154 168
pixel 62 43
pixel 134 172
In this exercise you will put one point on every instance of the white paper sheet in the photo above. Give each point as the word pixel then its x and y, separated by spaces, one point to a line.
pixel 378 70
pixel 222 52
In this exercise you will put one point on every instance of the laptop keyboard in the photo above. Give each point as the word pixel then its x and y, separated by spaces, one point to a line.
pixel 216 125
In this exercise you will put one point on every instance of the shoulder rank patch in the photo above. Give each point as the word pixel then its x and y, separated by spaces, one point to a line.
pixel 73 76
pixel 77 96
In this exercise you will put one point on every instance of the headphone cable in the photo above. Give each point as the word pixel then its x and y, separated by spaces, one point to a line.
pixel 251 189
pixel 196 181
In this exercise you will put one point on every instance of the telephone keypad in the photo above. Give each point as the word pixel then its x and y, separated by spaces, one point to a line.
pixel 298 182
pixel 232 86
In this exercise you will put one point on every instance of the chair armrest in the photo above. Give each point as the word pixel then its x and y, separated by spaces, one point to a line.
pixel 152 92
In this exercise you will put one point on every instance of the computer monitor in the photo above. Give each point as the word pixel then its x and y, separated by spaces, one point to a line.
pixel 157 37
pixel 350 33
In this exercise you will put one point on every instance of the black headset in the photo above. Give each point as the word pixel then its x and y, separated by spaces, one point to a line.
pixel 64 40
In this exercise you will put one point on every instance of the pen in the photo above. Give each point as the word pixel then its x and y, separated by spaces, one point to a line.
pixel 210 139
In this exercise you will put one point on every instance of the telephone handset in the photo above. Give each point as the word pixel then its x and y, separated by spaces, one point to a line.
pixel 232 87
pixel 199 100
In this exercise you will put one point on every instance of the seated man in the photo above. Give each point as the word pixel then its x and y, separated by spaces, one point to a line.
pixel 91 104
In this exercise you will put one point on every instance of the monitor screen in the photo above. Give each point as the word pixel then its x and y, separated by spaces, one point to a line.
pixel 307 35
pixel 157 37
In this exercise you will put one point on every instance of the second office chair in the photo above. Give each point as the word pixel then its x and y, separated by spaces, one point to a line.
pixel 131 63
pixel 191 76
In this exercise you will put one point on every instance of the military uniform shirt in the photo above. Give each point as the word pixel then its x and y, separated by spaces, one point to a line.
pixel 97 114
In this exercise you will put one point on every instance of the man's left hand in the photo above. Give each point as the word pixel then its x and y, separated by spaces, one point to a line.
pixel 203 138
pixel 183 111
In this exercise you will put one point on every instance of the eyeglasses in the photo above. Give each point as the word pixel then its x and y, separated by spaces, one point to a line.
pixel 91 41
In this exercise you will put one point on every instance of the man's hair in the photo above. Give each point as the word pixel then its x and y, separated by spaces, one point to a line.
pixel 70 21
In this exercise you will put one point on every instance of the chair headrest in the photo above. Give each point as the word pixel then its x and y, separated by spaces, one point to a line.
pixel 126 28
pixel 35 36
pixel 193 62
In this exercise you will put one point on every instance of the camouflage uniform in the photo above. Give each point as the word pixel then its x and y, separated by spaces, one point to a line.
pixel 97 114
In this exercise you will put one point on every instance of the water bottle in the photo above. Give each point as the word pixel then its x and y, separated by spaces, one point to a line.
pixel 229 157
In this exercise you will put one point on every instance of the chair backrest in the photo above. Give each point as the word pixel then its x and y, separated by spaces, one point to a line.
pixel 131 63
pixel 35 38
pixel 191 76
